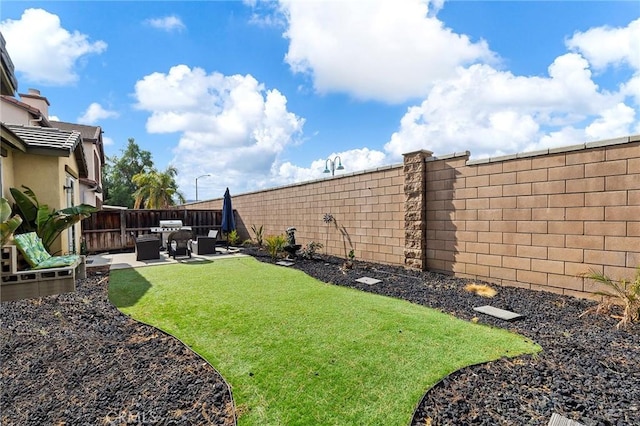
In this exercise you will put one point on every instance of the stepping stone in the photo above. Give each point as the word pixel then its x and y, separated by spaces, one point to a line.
pixel 558 420
pixel 285 263
pixel 498 313
pixel 368 280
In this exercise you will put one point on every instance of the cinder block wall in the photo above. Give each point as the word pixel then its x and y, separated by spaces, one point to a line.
pixel 367 207
pixel 537 220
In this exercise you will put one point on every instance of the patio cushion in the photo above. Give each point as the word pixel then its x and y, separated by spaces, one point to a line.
pixel 30 245
pixel 58 261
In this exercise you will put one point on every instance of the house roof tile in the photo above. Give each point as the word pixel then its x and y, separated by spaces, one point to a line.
pixel 47 137
pixel 87 131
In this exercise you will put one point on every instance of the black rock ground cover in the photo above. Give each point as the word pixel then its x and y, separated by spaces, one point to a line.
pixel 75 359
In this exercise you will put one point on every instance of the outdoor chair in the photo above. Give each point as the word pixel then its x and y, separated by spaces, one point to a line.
pixel 147 247
pixel 206 245
pixel 179 243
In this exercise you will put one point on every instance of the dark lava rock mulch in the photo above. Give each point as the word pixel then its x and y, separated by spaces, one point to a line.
pixel 74 359
pixel 588 370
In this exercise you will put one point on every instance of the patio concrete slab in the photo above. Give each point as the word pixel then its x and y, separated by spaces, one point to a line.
pixel 128 260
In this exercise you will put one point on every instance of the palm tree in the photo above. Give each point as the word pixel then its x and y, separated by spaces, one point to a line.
pixel 156 190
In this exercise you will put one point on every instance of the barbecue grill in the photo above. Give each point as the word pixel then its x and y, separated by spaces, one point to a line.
pixel 168 226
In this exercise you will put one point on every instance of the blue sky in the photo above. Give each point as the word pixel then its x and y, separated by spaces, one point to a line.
pixel 261 94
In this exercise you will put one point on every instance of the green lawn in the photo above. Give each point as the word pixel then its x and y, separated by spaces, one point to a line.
pixel 297 351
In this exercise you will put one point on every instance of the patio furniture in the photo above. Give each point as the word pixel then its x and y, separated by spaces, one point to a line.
pixel 179 243
pixel 147 247
pixel 165 228
pixel 206 245
pixel 47 274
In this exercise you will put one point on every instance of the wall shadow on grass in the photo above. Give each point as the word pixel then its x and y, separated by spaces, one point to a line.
pixel 128 286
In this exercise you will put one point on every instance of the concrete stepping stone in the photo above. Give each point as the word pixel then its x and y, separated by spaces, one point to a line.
pixel 558 420
pixel 498 313
pixel 285 263
pixel 368 280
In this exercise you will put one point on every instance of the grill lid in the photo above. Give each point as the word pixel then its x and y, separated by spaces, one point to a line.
pixel 171 223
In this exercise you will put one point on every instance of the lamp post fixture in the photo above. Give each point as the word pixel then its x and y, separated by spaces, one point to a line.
pixel 208 174
pixel 332 163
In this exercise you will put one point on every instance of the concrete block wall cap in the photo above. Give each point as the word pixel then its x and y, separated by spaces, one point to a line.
pixel 419 151
pixel 569 148
pixel 453 155
pixel 486 160
pixel 608 142
pixel 532 153
pixel 634 138
pixel 503 158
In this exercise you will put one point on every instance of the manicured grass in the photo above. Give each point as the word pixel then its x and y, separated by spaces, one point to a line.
pixel 300 352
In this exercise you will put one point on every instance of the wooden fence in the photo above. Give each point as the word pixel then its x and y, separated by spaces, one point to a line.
pixel 112 230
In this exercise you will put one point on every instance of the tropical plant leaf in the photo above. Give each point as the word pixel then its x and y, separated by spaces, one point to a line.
pixel 8 227
pixel 8 224
pixel 5 209
pixel 47 223
pixel 27 208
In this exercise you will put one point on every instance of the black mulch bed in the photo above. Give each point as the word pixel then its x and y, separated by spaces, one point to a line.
pixel 74 359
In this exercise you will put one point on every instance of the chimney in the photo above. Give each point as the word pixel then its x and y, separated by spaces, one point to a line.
pixel 34 100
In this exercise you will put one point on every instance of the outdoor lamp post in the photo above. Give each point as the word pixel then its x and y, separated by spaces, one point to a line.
pixel 208 174
pixel 332 163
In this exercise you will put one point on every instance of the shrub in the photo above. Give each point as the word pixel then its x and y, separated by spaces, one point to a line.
pixel 258 233
pixel 626 292
pixel 275 244
pixel 309 251
pixel 233 237
pixel 348 264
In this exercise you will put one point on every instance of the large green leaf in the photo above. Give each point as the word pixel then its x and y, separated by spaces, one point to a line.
pixel 5 209
pixel 47 223
pixel 8 224
pixel 27 208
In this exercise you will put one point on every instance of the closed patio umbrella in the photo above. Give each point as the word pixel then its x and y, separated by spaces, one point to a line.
pixel 228 221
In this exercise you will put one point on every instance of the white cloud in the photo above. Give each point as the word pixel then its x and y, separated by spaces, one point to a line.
pixel 107 140
pixel 605 46
pixel 229 126
pixel 95 113
pixel 352 161
pixel 167 23
pixel 381 50
pixel 45 52
pixel 612 121
pixel 492 112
